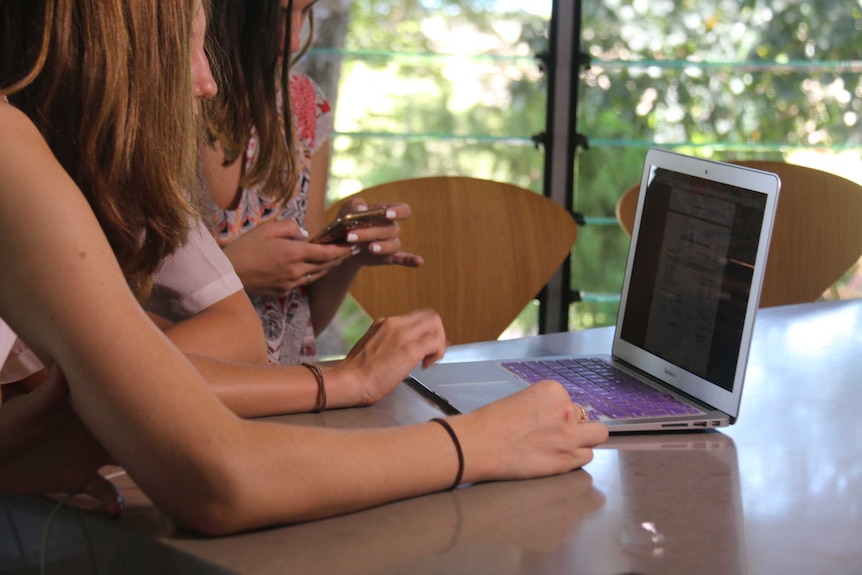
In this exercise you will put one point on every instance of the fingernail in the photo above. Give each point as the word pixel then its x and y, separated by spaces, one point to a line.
pixel 355 250
pixel 304 232
pixel 361 208
pixel 391 215
pixel 352 237
pixel 376 248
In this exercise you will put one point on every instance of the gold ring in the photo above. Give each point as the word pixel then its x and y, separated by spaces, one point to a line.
pixel 585 417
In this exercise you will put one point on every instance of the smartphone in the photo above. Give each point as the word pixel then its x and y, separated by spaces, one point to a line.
pixel 336 232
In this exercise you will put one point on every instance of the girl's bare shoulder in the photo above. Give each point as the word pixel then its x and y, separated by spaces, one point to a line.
pixel 14 121
pixel 25 157
pixel 17 130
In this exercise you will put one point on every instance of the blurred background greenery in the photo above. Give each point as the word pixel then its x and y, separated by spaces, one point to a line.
pixel 429 87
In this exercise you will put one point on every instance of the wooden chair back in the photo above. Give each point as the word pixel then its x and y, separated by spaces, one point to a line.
pixel 489 248
pixel 626 209
pixel 817 234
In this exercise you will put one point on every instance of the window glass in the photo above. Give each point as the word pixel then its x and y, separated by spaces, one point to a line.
pixel 431 87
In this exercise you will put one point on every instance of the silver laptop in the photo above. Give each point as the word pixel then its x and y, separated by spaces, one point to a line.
pixel 687 308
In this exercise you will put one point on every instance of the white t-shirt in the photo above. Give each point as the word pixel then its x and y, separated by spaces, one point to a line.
pixel 8 340
pixel 16 358
pixel 195 277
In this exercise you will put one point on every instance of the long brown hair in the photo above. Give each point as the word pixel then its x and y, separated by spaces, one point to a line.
pixel 107 83
pixel 248 37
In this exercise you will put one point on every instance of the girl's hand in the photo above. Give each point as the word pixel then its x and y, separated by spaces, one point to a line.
pixel 381 245
pixel 533 433
pixel 388 351
pixel 274 257
pixel 44 447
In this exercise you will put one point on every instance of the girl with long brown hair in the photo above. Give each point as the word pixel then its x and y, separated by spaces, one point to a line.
pixel 265 178
pixel 99 96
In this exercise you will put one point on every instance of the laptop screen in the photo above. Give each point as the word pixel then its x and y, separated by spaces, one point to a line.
pixel 692 273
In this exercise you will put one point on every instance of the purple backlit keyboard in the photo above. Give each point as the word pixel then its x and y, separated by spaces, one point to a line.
pixel 605 391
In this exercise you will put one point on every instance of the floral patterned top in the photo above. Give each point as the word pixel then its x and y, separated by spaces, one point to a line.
pixel 286 320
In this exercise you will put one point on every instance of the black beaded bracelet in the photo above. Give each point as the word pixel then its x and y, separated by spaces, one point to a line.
pixel 457 443
pixel 321 388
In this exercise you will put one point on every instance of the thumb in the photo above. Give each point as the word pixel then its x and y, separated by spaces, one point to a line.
pixel 355 204
pixel 105 491
pixel 287 229
pixel 404 259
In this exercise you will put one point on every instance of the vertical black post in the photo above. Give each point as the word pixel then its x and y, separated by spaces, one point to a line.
pixel 561 141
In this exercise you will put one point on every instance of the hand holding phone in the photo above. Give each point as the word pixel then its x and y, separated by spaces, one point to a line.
pixel 337 231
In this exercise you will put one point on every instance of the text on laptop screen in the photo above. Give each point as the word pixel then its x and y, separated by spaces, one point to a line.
pixel 686 302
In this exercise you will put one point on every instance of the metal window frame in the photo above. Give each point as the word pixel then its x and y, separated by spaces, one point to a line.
pixel 562 63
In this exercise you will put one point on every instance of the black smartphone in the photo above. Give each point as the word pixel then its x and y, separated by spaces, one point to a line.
pixel 336 232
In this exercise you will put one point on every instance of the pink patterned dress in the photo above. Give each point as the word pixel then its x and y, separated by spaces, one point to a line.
pixel 286 320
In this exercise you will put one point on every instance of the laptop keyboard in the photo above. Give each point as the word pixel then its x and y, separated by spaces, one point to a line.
pixel 605 391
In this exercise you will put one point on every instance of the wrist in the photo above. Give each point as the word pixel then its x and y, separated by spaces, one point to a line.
pixel 342 388
pixel 315 370
pixel 459 476
pixel 480 464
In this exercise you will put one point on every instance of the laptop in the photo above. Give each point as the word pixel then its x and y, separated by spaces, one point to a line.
pixel 688 303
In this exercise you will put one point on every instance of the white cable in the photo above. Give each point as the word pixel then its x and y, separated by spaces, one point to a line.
pixel 44 552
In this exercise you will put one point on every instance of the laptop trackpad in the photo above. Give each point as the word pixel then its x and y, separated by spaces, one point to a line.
pixel 468 396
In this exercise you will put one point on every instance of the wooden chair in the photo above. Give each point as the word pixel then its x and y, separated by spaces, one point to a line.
pixel 489 248
pixel 817 234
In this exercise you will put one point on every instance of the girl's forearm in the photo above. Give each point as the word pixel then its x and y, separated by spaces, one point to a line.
pixel 327 293
pixel 264 390
pixel 287 474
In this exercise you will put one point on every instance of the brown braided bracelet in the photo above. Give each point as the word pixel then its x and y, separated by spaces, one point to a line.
pixel 321 388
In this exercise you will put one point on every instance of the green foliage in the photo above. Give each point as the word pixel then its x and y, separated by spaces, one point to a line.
pixel 778 74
